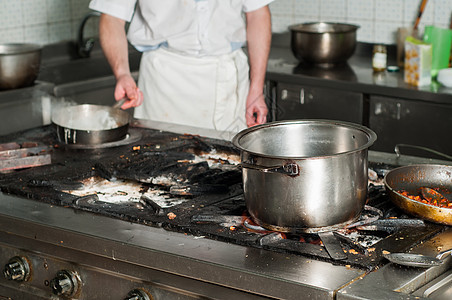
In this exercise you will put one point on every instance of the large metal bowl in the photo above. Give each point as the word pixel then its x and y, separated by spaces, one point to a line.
pixel 19 65
pixel 324 44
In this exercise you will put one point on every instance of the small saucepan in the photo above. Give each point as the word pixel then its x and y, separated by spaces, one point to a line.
pixel 412 179
pixel 89 124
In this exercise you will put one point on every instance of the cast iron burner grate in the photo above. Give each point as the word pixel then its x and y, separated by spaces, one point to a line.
pixel 359 246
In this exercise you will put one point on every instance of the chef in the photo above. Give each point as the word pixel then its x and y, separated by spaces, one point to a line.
pixel 193 70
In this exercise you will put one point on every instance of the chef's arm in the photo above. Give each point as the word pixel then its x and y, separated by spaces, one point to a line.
pixel 259 39
pixel 114 44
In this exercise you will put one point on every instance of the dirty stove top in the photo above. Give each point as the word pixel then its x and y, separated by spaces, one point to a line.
pixel 191 184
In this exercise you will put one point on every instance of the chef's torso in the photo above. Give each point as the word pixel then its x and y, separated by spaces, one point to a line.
pixel 193 71
pixel 193 27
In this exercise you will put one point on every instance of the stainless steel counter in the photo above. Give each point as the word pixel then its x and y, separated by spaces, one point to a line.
pixel 356 75
pixel 108 242
pixel 226 265
pixel 396 282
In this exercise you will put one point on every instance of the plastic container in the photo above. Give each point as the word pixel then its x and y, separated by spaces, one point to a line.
pixel 445 77
pixel 440 39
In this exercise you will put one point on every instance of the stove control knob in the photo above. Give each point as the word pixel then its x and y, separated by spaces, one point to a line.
pixel 138 294
pixel 65 283
pixel 17 269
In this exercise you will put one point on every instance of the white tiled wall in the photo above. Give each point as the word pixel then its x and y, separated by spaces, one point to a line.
pixel 378 19
pixel 51 21
pixel 43 21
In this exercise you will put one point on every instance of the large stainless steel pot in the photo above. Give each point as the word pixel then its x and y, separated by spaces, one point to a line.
pixel 90 124
pixel 19 65
pixel 324 44
pixel 304 175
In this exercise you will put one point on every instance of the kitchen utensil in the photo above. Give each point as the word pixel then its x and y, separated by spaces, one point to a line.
pixel 119 103
pixel 332 245
pixel 402 34
pixel 304 174
pixel 323 44
pixel 90 124
pixel 411 178
pixel 419 15
pixel 19 65
pixel 431 194
pixel 417 260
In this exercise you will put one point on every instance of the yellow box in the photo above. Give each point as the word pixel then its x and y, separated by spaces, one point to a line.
pixel 418 62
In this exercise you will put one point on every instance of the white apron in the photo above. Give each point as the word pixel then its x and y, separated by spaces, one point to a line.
pixel 206 92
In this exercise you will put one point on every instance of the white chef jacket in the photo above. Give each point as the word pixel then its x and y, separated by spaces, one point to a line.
pixel 193 71
pixel 194 27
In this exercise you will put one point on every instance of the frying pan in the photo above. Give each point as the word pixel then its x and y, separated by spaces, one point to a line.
pixel 411 179
pixel 90 124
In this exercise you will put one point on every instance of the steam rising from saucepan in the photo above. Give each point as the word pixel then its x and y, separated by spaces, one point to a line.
pixel 96 120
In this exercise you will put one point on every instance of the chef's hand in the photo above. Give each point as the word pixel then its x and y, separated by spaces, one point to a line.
pixel 256 109
pixel 127 87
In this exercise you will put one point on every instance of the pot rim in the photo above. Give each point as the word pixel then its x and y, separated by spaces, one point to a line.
pixel 372 137
pixel 19 48
pixel 65 109
pixel 300 28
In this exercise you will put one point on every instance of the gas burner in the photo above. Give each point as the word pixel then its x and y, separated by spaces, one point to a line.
pixel 368 215
pixel 131 137
pixel 250 225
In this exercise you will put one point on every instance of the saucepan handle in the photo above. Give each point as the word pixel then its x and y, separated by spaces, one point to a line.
pixel 119 103
pixel 291 169
pixel 397 150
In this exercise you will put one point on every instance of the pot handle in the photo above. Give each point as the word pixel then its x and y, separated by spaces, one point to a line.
pixel 291 169
pixel 397 150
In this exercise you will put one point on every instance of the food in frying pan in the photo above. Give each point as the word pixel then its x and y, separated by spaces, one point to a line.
pixel 428 196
